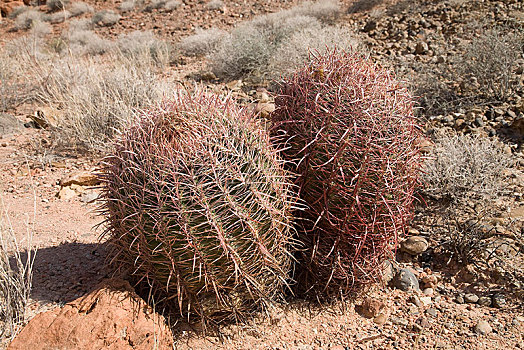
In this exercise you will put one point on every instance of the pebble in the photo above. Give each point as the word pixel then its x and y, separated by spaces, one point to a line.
pixel 405 280
pixel 484 301
pixel 459 299
pixel 429 291
pixel 399 321
pixel 483 327
pixel 498 301
pixel 432 312
pixel 471 298
pixel 414 245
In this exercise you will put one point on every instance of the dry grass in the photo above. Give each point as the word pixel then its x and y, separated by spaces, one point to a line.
pixel 56 5
pixel 98 99
pixel 144 48
pixel 465 166
pixel 25 20
pixel 489 61
pixel 248 49
pixel 105 18
pixel 79 8
pixel 294 51
pixel 202 42
pixel 16 274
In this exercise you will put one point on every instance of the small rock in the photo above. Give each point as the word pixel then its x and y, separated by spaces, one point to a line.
pixel 388 273
pixel 370 25
pixel 82 178
pixel 370 307
pixel 459 299
pixel 414 245
pixel 498 301
pixel 421 48
pixel 399 321
pixel 425 300
pixel 89 197
pixel 432 312
pixel 429 291
pixel 484 301
pixel 66 193
pixel 405 280
pixel 471 298
pixel 337 347
pixel 415 300
pixel 483 327
pixel 264 109
pixel 380 319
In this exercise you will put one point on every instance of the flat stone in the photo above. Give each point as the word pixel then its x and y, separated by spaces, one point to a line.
pixel 483 327
pixel 414 245
pixel 471 298
pixel 405 280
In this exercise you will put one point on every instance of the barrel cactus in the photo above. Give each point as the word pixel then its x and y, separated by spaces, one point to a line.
pixel 198 208
pixel 348 128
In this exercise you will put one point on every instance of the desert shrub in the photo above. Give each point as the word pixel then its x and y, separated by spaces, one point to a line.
pixel 246 51
pixel 325 11
pixel 79 8
pixel 16 275
pixel 202 42
pixel 144 47
pixel 210 204
pixel 172 5
pixel 127 6
pixel 364 5
pixel 16 83
pixel 57 17
pixel 105 18
pixel 463 165
pixel 25 20
pixel 294 51
pixel 17 11
pixel 87 42
pixel 56 5
pixel 215 5
pixel 97 99
pixel 155 5
pixel 347 127
pixel 490 59
pixel 40 29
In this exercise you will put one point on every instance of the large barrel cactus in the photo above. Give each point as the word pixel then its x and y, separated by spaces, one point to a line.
pixel 349 129
pixel 197 207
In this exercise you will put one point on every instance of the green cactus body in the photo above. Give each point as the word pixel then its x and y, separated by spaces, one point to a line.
pixel 198 207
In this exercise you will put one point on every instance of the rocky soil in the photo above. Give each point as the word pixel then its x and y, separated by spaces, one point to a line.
pixel 427 300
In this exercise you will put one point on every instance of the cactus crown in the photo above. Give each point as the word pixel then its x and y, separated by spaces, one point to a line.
pixel 348 127
pixel 198 206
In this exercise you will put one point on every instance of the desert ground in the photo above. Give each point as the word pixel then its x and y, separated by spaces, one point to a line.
pixel 69 79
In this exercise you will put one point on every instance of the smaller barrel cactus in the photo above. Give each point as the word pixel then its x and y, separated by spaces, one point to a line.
pixel 198 207
pixel 348 127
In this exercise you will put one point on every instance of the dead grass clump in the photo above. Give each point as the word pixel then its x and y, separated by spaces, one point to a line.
pixel 16 83
pixel 247 50
pixel 25 20
pixel 202 42
pixel 326 11
pixel 17 11
pixel 57 17
pixel 490 59
pixel 144 48
pixel 465 166
pixel 127 6
pixel 79 8
pixel 105 18
pixel 16 275
pixel 294 51
pixel 97 99
pixel 215 5
pixel 56 5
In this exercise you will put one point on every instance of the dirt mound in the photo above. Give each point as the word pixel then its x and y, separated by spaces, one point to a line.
pixel 111 317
